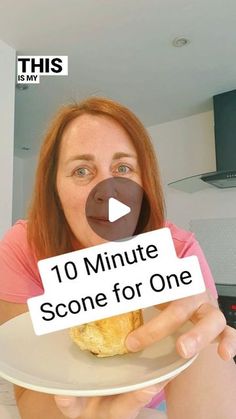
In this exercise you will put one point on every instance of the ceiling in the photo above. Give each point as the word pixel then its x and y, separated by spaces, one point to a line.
pixel 122 49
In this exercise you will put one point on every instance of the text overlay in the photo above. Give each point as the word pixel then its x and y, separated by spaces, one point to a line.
pixel 112 278
pixel 30 68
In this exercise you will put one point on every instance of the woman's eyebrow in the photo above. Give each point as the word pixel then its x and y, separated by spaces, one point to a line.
pixel 121 154
pixel 81 157
pixel 91 157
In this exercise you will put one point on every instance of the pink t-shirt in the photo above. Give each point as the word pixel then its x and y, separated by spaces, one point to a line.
pixel 20 279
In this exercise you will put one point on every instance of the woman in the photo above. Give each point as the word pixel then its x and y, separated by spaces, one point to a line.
pixel 88 143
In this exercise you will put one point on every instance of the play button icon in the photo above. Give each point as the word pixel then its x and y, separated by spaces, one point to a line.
pixel 117 208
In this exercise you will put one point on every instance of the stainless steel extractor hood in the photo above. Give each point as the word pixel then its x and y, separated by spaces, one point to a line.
pixel 225 148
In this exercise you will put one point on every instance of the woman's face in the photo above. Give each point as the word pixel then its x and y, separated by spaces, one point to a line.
pixel 93 148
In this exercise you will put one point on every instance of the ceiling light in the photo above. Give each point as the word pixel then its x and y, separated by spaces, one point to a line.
pixel 180 41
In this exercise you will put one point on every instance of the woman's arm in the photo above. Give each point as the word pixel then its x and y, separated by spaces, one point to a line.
pixel 205 390
pixel 36 405
pixel 9 310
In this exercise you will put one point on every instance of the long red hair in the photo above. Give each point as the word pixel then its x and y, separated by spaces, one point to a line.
pixel 48 231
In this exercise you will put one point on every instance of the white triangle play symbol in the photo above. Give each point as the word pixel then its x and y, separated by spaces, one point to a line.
pixel 116 209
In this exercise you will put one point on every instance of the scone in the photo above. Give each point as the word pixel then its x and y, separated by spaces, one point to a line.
pixel 106 337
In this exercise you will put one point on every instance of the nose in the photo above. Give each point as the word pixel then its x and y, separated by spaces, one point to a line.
pixel 105 190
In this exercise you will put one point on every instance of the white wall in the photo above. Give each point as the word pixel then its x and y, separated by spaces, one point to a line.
pixel 7 103
pixel 186 147
pixel 18 198
pixel 24 174
pixel 29 169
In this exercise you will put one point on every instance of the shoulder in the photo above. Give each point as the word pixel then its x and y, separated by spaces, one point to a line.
pixel 15 239
pixel 17 232
pixel 19 273
pixel 14 245
pixel 178 233
pixel 186 245
pixel 182 239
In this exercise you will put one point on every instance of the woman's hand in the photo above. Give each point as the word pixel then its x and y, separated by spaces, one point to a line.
pixel 209 325
pixel 125 406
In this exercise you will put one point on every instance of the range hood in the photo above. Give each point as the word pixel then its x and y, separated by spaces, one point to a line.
pixel 225 148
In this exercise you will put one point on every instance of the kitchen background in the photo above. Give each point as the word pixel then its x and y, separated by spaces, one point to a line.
pixel 125 50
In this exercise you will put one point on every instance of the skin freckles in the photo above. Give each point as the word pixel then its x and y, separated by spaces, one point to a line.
pixel 93 148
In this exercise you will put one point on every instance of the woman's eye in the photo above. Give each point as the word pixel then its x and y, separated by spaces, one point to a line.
pixel 81 172
pixel 123 169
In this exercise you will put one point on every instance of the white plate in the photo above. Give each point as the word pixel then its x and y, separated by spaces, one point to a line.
pixel 53 364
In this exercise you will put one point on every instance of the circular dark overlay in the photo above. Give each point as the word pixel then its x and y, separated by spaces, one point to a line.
pixel 127 192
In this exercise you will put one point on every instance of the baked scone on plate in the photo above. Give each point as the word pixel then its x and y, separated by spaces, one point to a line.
pixel 106 337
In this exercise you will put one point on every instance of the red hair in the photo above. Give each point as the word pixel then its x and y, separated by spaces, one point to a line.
pixel 48 231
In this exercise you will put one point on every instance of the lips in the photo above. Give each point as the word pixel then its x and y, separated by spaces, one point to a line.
pixel 98 218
